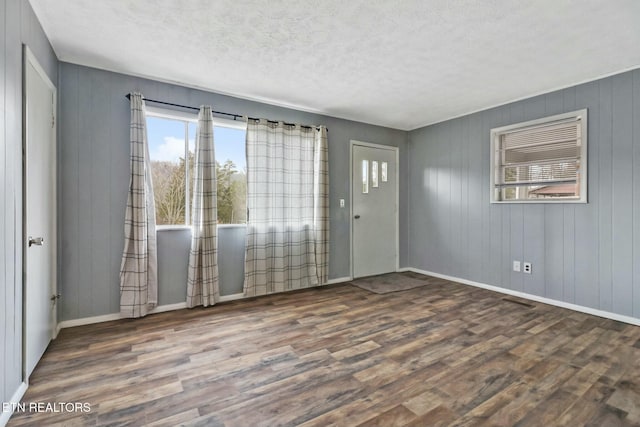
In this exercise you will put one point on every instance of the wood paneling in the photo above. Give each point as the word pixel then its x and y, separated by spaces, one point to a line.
pixel 636 190
pixel 622 214
pixel 586 262
pixel 12 213
pixel 436 355
pixel 605 192
pixel 18 26
pixel 476 189
pixel 5 208
pixel 581 253
pixel 94 175
pixel 69 148
pixel 569 226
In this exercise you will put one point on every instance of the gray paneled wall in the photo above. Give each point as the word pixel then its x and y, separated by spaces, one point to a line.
pixel 18 25
pixel 585 254
pixel 94 165
pixel 173 259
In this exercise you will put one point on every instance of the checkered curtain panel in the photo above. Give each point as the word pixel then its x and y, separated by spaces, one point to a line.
pixel 288 204
pixel 321 204
pixel 202 281
pixel 139 268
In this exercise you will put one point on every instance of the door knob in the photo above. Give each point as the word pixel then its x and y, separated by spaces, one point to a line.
pixel 38 241
pixel 357 216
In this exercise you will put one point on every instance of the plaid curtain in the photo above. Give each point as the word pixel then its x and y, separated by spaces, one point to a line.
pixel 288 207
pixel 139 268
pixel 202 281
pixel 321 204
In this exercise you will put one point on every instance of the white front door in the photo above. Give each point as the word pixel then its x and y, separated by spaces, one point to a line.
pixel 40 213
pixel 374 210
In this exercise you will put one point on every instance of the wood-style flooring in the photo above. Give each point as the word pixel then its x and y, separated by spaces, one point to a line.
pixel 442 354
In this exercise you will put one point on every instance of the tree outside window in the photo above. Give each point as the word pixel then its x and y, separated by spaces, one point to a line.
pixel 172 147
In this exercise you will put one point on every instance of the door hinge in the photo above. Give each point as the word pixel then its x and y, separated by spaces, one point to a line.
pixel 55 297
pixel 53 122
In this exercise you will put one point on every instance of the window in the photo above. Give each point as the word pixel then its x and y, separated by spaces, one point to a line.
pixel 542 160
pixel 374 174
pixel 171 138
pixel 365 177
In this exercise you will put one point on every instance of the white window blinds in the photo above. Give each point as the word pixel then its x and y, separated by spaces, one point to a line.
pixel 540 160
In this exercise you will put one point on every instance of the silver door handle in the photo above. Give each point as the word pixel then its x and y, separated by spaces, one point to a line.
pixel 38 241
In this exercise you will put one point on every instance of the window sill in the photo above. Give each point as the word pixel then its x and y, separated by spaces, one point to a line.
pixel 535 201
pixel 172 227
pixel 188 227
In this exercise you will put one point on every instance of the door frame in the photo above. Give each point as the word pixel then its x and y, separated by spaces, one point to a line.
pixel 29 59
pixel 396 150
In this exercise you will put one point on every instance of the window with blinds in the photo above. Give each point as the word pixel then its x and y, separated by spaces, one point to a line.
pixel 542 160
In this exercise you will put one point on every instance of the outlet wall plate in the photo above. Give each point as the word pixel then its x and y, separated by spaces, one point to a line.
pixel 526 267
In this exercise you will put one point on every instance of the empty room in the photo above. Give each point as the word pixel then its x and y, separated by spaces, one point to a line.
pixel 329 213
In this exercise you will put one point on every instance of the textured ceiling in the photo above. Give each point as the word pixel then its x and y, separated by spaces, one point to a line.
pixel 402 64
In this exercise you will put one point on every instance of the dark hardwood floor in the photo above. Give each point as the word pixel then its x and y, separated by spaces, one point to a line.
pixel 443 354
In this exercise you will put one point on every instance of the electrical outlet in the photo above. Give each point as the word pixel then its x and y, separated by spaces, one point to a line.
pixel 516 266
pixel 526 267
pixel 342 203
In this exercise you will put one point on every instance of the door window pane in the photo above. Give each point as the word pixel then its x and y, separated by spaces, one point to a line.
pixel 374 174
pixel 365 176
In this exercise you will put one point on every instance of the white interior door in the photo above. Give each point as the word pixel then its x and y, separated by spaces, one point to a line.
pixel 374 209
pixel 40 213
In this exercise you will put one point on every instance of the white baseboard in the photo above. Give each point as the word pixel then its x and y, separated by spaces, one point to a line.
pixel 116 316
pixel 570 306
pixel 339 280
pixel 88 320
pixel 15 399
pixel 159 309
pixel 169 307
pixel 232 297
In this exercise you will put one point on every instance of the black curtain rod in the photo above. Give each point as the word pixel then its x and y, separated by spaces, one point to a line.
pixel 235 116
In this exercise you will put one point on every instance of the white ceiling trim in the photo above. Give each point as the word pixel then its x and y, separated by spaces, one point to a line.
pixel 274 103
pixel 397 64
pixel 533 95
